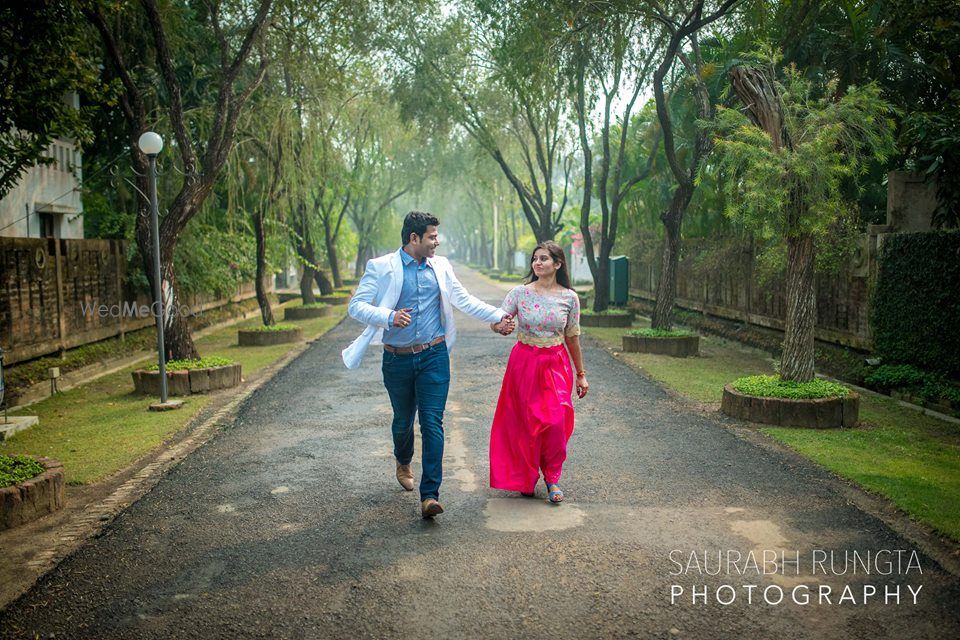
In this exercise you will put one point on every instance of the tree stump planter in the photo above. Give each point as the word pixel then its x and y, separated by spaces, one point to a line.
pixel 618 320
pixel 268 338
pixel 675 346
pixel 184 382
pixel 333 299
pixel 33 498
pixel 816 413
pixel 301 313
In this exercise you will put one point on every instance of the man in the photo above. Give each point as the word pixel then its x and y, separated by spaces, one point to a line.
pixel 406 299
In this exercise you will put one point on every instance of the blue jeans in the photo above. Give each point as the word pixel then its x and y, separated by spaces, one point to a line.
pixel 418 383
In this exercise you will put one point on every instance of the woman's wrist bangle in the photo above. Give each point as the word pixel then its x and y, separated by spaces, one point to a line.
pixel 581 373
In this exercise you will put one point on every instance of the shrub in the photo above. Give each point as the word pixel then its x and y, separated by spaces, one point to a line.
pixel 199 363
pixel 661 333
pixel 916 309
pixel 274 327
pixel 924 384
pixel 774 387
pixel 17 469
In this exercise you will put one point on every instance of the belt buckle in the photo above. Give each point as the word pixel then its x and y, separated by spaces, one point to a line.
pixel 420 348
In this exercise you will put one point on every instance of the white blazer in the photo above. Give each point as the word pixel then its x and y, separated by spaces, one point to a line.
pixel 378 293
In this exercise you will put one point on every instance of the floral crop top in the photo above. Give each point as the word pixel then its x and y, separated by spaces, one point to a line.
pixel 543 320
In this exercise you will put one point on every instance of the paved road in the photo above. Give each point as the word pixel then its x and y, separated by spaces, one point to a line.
pixel 289 524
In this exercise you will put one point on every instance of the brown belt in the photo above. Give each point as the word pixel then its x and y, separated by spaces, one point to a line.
pixel 416 348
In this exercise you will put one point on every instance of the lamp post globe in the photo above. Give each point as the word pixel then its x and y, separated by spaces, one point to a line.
pixel 150 143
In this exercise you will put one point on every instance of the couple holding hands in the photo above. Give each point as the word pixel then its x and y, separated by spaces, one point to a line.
pixel 406 299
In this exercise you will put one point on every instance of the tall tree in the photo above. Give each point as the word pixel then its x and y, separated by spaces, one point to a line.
pixel 492 72
pixel 610 61
pixel 35 79
pixel 682 26
pixel 232 32
pixel 787 161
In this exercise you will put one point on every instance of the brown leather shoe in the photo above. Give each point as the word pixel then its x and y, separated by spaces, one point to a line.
pixel 405 476
pixel 430 508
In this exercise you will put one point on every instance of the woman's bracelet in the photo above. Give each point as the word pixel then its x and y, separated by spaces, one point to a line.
pixel 582 372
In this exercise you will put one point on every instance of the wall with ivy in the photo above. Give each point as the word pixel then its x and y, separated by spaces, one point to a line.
pixel 916 304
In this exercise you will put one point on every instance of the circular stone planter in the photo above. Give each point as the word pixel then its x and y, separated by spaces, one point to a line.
pixel 268 338
pixel 333 299
pixel 184 382
pixel 619 320
pixel 301 313
pixel 816 413
pixel 33 498
pixel 676 346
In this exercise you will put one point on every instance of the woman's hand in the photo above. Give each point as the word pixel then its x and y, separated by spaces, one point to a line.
pixel 582 385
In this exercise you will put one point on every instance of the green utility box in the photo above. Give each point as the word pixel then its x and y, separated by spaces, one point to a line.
pixel 619 279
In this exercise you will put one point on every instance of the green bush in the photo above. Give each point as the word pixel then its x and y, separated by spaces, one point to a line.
pixel 274 327
pixel 916 309
pixel 17 469
pixel 200 363
pixel 924 384
pixel 774 387
pixel 661 333
pixel 314 305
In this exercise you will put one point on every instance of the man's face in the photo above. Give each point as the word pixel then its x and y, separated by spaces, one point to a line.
pixel 426 246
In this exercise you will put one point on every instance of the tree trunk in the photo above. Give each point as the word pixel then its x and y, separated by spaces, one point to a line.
pixel 334 262
pixel 797 362
pixel 670 259
pixel 601 284
pixel 323 282
pixel 305 251
pixel 361 260
pixel 266 313
pixel 177 341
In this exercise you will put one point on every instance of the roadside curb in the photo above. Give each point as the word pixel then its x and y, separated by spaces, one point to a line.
pixel 197 432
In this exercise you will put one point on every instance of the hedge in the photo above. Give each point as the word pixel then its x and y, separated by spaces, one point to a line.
pixel 916 304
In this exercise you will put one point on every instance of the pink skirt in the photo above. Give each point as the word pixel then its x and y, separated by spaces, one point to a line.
pixel 534 418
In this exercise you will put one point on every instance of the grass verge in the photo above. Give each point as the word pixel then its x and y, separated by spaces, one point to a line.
pixel 100 428
pixel 907 457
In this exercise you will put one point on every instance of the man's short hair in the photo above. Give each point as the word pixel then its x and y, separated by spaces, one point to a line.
pixel 417 222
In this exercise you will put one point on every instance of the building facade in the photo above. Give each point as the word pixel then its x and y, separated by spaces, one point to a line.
pixel 46 202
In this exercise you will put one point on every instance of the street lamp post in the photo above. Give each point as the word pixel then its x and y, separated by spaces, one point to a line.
pixel 151 144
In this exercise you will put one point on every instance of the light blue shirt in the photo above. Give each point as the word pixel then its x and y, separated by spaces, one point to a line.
pixel 420 292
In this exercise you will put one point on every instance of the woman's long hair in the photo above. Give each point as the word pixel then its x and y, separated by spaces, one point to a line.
pixel 556 252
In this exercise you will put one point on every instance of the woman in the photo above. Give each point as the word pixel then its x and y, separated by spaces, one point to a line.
pixel 534 416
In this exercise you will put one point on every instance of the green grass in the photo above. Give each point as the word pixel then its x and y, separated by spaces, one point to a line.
pixel 16 469
pixel 702 378
pixel 898 453
pixel 661 333
pixel 100 428
pixel 910 458
pixel 774 387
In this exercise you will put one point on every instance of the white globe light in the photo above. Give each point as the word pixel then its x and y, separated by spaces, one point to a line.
pixel 150 143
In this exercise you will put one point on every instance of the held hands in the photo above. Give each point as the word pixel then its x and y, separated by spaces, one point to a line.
pixel 402 317
pixel 506 326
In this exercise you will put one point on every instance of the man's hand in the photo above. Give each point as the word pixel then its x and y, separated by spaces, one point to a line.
pixel 402 317
pixel 506 326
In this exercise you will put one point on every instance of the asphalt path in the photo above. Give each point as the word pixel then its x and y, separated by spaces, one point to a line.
pixel 289 524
